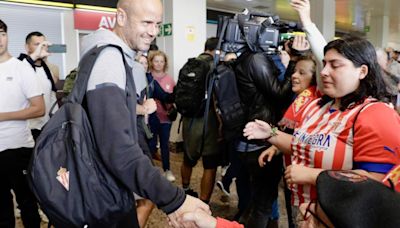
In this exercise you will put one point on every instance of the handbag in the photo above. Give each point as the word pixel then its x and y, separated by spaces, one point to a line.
pixel 172 112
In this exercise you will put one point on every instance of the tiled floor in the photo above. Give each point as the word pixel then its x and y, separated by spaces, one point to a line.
pixel 225 208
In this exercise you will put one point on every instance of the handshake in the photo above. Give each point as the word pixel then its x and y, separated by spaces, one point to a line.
pixel 195 213
pixel 192 213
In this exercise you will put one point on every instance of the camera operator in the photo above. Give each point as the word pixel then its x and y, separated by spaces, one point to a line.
pixel 265 95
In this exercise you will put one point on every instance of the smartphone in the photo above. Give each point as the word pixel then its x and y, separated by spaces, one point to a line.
pixel 57 48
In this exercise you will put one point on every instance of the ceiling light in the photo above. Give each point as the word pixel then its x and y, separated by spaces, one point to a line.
pixel 45 3
pixel 97 8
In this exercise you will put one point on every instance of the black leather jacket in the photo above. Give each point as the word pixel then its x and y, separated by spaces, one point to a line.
pixel 262 94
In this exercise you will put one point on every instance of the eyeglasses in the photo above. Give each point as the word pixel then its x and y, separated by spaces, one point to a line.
pixel 314 213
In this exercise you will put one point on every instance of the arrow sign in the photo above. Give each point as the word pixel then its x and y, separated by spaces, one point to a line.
pixel 167 29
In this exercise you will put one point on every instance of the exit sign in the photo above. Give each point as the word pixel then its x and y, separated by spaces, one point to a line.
pixel 165 30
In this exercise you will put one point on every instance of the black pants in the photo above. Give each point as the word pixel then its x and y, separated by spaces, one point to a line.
pixel 13 164
pixel 263 188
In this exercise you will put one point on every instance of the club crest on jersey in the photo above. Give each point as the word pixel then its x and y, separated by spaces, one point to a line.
pixel 301 100
pixel 63 177
pixel 337 123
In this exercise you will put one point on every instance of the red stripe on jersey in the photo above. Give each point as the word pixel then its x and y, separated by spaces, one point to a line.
pixel 318 155
pixel 340 150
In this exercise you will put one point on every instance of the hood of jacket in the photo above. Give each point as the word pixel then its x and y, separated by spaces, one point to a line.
pixel 102 37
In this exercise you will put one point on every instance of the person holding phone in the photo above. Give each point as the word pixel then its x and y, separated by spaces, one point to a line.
pixel 36 47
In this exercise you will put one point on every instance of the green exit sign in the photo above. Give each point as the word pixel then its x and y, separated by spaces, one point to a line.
pixel 165 30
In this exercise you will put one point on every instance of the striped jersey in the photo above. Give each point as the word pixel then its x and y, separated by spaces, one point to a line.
pixel 324 139
pixel 293 114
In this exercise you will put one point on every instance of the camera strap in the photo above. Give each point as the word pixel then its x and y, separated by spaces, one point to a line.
pixel 210 80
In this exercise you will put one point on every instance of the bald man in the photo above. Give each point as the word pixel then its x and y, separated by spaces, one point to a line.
pixel 113 116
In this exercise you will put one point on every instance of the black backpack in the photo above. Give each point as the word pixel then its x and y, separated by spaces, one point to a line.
pixel 191 86
pixel 73 186
pixel 228 103
pixel 222 86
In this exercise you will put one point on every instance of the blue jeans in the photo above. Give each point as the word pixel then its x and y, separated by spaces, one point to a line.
pixel 160 131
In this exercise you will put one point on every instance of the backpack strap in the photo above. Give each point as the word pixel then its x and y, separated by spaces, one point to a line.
pixel 211 77
pixel 45 68
pixel 79 90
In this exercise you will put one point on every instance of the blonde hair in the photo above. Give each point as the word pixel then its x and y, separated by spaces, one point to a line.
pixel 153 54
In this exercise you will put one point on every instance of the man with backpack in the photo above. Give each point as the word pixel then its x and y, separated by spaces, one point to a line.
pixel 190 90
pixel 21 98
pixel 114 124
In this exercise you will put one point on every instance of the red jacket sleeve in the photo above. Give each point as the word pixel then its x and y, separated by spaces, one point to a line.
pixel 223 223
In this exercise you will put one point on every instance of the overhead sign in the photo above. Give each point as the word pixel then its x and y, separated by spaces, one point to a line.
pixel 165 30
pixel 89 20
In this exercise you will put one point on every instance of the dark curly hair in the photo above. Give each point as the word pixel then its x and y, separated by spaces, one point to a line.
pixel 360 52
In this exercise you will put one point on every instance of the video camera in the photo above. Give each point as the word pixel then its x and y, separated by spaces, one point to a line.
pixel 261 32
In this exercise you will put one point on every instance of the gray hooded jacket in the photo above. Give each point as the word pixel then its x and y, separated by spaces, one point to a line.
pixel 114 124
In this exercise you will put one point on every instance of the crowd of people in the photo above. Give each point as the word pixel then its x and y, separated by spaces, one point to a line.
pixel 314 130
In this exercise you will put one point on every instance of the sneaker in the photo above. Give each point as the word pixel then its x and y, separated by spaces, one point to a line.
pixel 169 175
pixel 223 189
pixel 224 169
pixel 191 192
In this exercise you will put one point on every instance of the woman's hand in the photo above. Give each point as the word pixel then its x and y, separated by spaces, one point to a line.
pixel 257 129
pixel 200 218
pixel 267 155
pixel 303 8
pixel 299 174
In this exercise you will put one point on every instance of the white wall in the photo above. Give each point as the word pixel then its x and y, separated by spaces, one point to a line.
pixel 188 18
pixel 71 39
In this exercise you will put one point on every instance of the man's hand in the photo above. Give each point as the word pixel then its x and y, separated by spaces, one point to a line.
pixel 266 155
pixel 191 204
pixel 285 58
pixel 41 51
pixel 300 43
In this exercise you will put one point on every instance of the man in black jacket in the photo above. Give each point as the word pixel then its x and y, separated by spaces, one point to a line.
pixel 265 95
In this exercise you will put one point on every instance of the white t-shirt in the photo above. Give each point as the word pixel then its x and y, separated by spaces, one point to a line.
pixel 17 85
pixel 48 95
